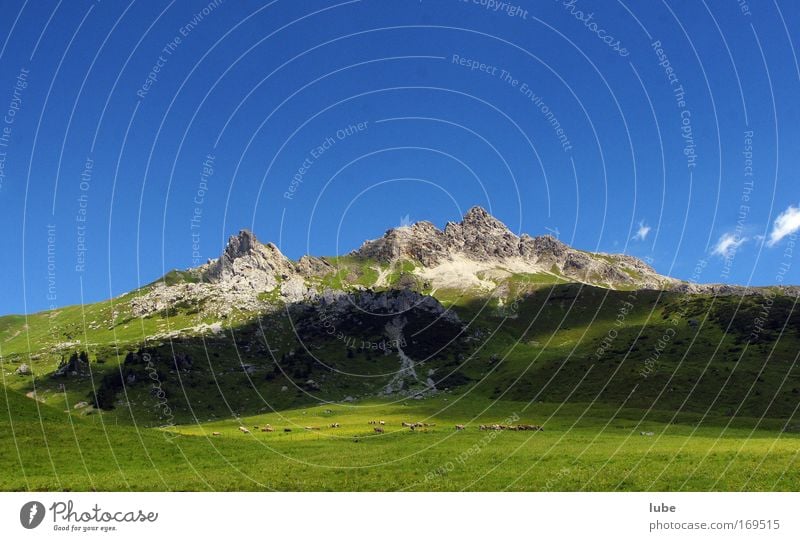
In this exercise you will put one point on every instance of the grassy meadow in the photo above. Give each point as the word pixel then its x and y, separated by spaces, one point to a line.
pixel 582 448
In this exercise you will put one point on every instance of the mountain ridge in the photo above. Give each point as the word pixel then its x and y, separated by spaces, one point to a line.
pixel 479 254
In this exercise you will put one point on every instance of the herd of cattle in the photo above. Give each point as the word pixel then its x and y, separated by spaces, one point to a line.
pixel 379 427
pixel 511 427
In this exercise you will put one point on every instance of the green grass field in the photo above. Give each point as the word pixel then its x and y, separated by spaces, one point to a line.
pixel 581 448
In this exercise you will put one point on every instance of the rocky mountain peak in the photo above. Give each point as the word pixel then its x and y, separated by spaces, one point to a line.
pixel 246 259
pixel 478 218
pixel 481 236
pixel 483 240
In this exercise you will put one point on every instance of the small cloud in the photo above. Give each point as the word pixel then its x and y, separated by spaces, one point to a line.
pixel 787 223
pixel 727 245
pixel 642 232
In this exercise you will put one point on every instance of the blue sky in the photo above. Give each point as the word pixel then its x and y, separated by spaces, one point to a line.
pixel 138 136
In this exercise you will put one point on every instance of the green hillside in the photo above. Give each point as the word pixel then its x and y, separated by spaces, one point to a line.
pixel 714 379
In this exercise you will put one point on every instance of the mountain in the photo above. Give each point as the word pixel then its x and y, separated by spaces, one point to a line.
pixel 478 254
pixel 472 308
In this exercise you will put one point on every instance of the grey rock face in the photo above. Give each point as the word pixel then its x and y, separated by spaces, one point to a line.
pixel 481 237
pixel 421 242
pixel 310 266
pixel 247 260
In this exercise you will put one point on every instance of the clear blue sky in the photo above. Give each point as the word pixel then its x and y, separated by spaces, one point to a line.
pixel 622 126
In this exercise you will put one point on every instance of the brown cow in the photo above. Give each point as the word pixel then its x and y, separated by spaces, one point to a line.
pixel 267 429
pixel 378 429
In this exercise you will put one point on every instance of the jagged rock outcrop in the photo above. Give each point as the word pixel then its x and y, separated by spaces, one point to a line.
pixel 482 237
pixel 392 302
pixel 247 261
pixel 313 267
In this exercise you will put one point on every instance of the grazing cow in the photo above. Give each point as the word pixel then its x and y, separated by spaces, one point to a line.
pixel 312 428
pixel 244 430
pixel 648 433
pixel 459 427
pixel 216 434
pixel 372 422
pixel 407 425
pixel 378 429
pixel 334 425
pixel 287 429
pixel 382 422
pixel 267 429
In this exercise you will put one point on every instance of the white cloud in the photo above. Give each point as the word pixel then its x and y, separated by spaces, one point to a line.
pixel 787 223
pixel 727 245
pixel 642 232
